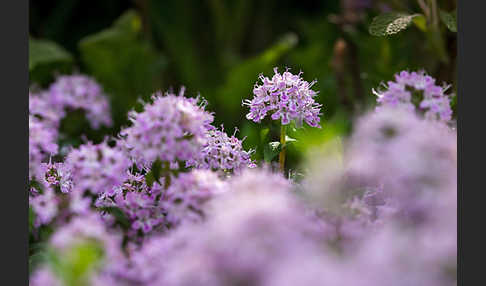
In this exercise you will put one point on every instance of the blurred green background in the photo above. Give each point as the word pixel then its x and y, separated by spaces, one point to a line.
pixel 218 48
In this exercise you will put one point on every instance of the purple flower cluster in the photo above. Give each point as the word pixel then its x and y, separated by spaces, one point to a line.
pixel 170 128
pixel 416 88
pixel 68 93
pixel 42 145
pixel 188 193
pixel 81 92
pixel 384 199
pixel 222 152
pixel 285 97
pixel 139 202
pixel 97 168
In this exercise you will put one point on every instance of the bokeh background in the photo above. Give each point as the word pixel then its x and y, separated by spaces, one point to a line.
pixel 218 48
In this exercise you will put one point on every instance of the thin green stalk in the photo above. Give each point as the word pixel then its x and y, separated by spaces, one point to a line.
pixel 281 156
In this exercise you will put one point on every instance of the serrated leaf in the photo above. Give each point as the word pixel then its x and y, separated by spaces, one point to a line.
pixel 390 23
pixel 46 52
pixel 271 150
pixel 449 19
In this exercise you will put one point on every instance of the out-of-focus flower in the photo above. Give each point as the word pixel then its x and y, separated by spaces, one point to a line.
pixel 97 168
pixel 285 97
pixel 73 92
pixel 414 160
pixel 222 152
pixel 44 277
pixel 42 144
pixel 45 207
pixel 188 193
pixel 413 90
pixel 170 128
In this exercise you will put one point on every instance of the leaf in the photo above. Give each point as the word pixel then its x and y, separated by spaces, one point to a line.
pixel 46 52
pixel 264 134
pixel 271 150
pixel 126 65
pixel 390 23
pixel 45 59
pixel 420 22
pixel 449 19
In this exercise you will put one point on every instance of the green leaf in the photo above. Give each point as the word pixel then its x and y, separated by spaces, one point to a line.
pixel 264 134
pixel 390 23
pixel 45 59
pixel 271 150
pixel 449 19
pixel 46 52
pixel 420 22
pixel 126 65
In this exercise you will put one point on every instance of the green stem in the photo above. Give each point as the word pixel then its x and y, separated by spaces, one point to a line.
pixel 281 156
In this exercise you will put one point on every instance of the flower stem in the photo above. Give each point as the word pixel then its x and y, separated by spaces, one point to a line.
pixel 281 156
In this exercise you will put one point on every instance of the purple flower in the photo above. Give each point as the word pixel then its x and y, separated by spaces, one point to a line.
pixel 42 144
pixel 409 88
pixel 285 97
pixel 80 92
pixel 57 174
pixel 139 202
pixel 222 152
pixel 187 194
pixel 45 207
pixel 170 128
pixel 97 168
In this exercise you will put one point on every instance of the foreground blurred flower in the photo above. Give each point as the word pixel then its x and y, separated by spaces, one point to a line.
pixel 416 89
pixel 414 160
pixel 187 194
pixel 97 168
pixel 78 252
pixel 222 152
pixel 170 128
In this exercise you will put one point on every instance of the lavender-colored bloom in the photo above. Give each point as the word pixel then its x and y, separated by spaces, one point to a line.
pixel 285 97
pixel 57 174
pixel 248 235
pixel 45 207
pixel 42 144
pixel 139 202
pixel 170 128
pixel 44 277
pixel 40 107
pixel 414 160
pixel 81 92
pixel 187 194
pixel 222 152
pixel 410 87
pixel 97 168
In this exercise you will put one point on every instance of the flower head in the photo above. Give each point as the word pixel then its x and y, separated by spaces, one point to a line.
pixel 81 92
pixel 222 152
pixel 413 90
pixel 170 128
pixel 188 193
pixel 285 97
pixel 42 144
pixel 97 168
